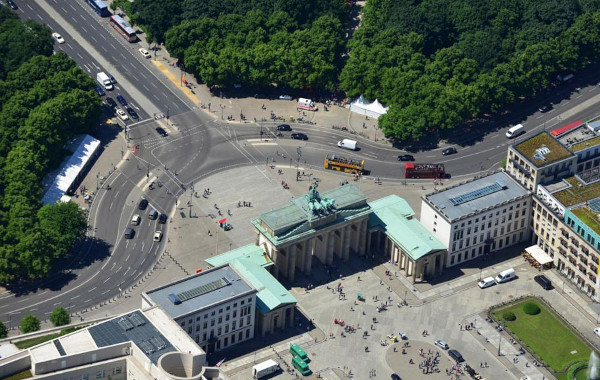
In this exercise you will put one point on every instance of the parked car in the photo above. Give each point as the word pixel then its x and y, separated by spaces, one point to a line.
pixel 285 97
pixel 111 102
pixel 122 100
pixel 448 151
pixel 284 127
pixel 486 282
pixel 597 331
pixel 395 377
pixel 100 90
pixel 136 219
pixel 132 113
pixel 58 38
pixel 143 204
pixel 122 115
pixel 162 218
pixel 454 354
pixel 12 4
pixel 161 132
pixel 260 96
pixel 406 157
pixel 144 53
pixel 545 108
pixel 543 281
pixel 112 79
pixel 157 236
pixel 441 343
pixel 299 136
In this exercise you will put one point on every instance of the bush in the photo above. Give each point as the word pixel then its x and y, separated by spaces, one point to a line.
pixel 531 308
pixel 509 316
pixel 60 317
pixel 30 323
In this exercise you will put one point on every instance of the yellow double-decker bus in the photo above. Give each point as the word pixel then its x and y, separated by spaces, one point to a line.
pixel 335 162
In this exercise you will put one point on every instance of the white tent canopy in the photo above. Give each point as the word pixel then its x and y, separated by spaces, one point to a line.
pixel 374 109
pixel 539 255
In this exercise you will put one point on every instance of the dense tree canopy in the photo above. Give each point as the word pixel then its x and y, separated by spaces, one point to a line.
pixel 45 100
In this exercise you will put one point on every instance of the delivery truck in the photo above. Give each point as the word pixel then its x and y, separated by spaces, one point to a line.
pixel 347 144
pixel 265 368
pixel 306 104
pixel 104 80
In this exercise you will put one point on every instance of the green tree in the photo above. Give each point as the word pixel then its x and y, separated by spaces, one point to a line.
pixel 3 330
pixel 60 317
pixel 30 323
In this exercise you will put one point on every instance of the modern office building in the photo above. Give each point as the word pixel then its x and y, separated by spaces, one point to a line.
pixel 138 345
pixel 478 217
pixel 215 307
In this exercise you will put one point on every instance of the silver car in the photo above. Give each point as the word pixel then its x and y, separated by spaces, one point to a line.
pixel 442 344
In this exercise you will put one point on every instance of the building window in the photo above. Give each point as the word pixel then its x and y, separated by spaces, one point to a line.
pixel 234 314
pixel 235 304
pixel 204 337
pixel 212 322
pixel 116 371
pixel 241 303
pixel 451 260
pixel 226 329
pixel 219 331
pixel 220 319
pixel 248 320
pixel 206 316
pixel 459 257
pixel 221 311
pixel 190 330
pixel 240 336
pixel 213 313
pixel 225 342
pixel 241 322
pixel 233 339
pixel 197 327
pixel 247 333
pixel 205 325
pixel 227 308
pixel 233 325
pixel 226 317
pixel 99 374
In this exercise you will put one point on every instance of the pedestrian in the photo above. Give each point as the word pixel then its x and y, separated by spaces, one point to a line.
pixel 208 232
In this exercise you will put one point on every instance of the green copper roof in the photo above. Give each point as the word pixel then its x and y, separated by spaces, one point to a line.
pixel 250 252
pixel 397 219
pixel 250 262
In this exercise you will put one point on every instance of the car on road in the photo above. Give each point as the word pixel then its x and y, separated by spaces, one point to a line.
pixel 129 233
pixel 597 331
pixel 136 219
pixel 449 151
pixel 122 115
pixel 122 100
pixel 454 354
pixel 284 127
pixel 157 236
pixel 260 96
pixel 100 90
pixel 112 79
pixel 299 136
pixel 395 377
pixel 132 113
pixel 162 218
pixel 545 108
pixel 406 157
pixel 143 204
pixel 144 53
pixel 441 343
pixel 12 4
pixel 161 132
pixel 111 102
pixel 58 38
pixel 285 97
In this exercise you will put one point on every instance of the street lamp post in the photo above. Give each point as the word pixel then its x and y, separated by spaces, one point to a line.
pixel 499 340
pixel 69 309
pixel 97 178
pixel 222 108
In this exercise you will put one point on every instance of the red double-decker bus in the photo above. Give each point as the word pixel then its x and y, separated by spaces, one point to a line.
pixel 424 170
pixel 123 28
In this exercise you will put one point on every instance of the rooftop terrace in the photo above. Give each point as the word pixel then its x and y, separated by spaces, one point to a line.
pixel 555 151
pixel 578 192
pixel 588 217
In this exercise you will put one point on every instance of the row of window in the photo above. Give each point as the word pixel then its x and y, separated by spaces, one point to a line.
pixel 99 374
pixel 458 257
pixel 226 341
pixel 234 325
pixel 244 311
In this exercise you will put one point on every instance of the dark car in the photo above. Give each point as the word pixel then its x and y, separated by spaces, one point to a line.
pixel 448 151
pixel 112 79
pixel 395 377
pixel 111 102
pixel 132 113
pixel 406 157
pixel 122 100
pixel 143 204
pixel 456 356
pixel 260 96
pixel 299 136
pixel 545 108
pixel 162 218
pixel 543 281
pixel 100 90
pixel 161 132
pixel 284 127
pixel 12 4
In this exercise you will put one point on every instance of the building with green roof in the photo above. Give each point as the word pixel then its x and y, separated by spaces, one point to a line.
pixel 274 304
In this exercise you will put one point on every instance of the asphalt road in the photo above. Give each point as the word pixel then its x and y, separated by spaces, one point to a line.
pixel 198 146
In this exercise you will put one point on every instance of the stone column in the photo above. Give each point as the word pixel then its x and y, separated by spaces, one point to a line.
pixel 308 255
pixel 362 238
pixel 291 263
pixel 275 257
pixel 386 247
pixel 329 247
pixel 346 243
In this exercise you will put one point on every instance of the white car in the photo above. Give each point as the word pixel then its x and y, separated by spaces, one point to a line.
pixel 136 220
pixel 144 52
pixel 158 236
pixel 122 115
pixel 58 38
pixel 486 282
pixel 441 343
pixel 285 97
pixel 597 331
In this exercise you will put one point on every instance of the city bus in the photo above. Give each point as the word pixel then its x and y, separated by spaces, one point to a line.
pixel 298 352
pixel 301 366
pixel 99 7
pixel 123 28
pixel 424 170
pixel 335 162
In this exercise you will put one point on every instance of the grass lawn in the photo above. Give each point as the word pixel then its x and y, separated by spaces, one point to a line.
pixel 546 336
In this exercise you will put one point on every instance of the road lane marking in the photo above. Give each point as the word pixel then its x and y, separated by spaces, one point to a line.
pixel 107 279
pixel 92 289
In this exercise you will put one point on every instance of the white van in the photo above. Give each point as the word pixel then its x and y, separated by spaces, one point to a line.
pixel 265 368
pixel 486 282
pixel 347 144
pixel 515 131
pixel 506 276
